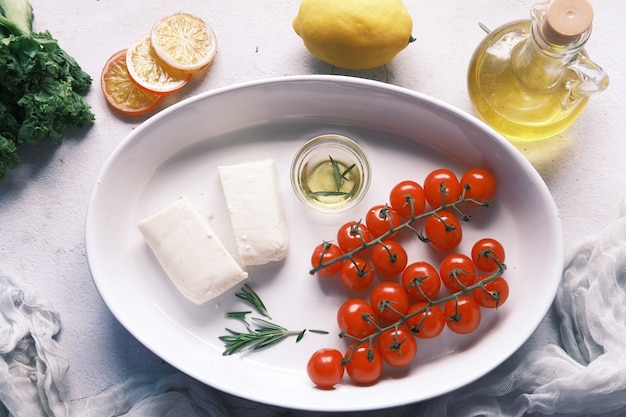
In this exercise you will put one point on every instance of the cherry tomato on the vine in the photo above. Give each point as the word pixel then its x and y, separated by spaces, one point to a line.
pixel 389 301
pixel 441 186
pixel 324 253
pixel 325 368
pixel 493 294
pixel 443 231
pixel 356 317
pixel 421 280
pixel 457 271
pixel 389 257
pixel 428 323
pixel 364 363
pixel 407 198
pixel 379 219
pixel 479 184
pixel 356 274
pixel 353 235
pixel 462 314
pixel 397 346
pixel 483 253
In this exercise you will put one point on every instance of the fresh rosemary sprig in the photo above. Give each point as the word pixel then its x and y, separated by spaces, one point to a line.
pixel 265 334
pixel 260 333
pixel 249 295
pixel 239 315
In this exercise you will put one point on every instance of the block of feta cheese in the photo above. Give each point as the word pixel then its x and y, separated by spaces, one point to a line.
pixel 256 211
pixel 193 257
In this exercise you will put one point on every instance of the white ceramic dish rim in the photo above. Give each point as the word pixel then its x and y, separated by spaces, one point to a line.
pixel 316 402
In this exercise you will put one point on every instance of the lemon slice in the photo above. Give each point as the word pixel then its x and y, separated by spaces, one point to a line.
pixel 149 73
pixel 184 42
pixel 121 92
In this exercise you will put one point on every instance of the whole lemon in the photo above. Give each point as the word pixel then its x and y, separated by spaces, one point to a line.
pixel 354 34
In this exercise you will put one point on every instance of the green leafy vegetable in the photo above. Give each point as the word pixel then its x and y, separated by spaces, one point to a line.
pixel 40 85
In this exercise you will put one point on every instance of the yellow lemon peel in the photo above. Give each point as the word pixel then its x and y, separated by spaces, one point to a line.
pixel 354 34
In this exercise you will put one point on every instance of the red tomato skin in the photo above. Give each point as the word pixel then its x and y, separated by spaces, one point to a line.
pixel 401 196
pixel 361 368
pixel 351 318
pixel 460 265
pixel 420 280
pixel 483 251
pixel 462 314
pixel 438 179
pixel 324 253
pixel 380 218
pixel 353 235
pixel 389 293
pixel 357 274
pixel 325 368
pixel 427 324
pixel 496 294
pixel 397 347
pixel 389 258
pixel 480 184
pixel 444 232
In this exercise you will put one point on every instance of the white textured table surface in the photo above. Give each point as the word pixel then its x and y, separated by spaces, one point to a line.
pixel 43 202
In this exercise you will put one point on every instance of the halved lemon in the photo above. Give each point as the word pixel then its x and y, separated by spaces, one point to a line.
pixel 121 92
pixel 149 73
pixel 184 42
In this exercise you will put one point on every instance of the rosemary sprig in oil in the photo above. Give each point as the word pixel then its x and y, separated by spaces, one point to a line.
pixel 338 175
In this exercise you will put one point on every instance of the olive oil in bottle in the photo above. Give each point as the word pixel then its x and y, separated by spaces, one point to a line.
pixel 531 80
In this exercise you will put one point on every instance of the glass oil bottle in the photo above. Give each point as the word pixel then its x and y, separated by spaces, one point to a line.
pixel 531 80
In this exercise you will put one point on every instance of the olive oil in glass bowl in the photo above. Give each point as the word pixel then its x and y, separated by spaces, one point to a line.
pixel 330 173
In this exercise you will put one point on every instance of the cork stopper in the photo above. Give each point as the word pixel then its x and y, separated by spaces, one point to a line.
pixel 566 20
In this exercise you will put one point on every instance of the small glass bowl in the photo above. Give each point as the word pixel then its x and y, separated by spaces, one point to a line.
pixel 330 173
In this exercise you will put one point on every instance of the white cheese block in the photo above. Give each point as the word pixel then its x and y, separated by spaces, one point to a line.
pixel 256 211
pixel 192 255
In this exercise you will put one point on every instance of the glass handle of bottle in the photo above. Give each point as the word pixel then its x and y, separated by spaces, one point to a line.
pixel 592 77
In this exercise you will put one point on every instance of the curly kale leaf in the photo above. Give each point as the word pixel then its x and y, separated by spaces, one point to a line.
pixel 8 157
pixel 40 86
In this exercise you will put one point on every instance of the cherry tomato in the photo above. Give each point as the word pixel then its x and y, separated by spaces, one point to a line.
pixel 353 235
pixel 493 294
pixel 356 274
pixel 380 218
pixel 428 323
pixel 389 257
pixel 443 231
pixel 462 314
pixel 457 271
pixel 483 253
pixel 397 346
pixel 389 301
pixel 407 198
pixel 356 317
pixel 363 363
pixel 421 280
pixel 325 368
pixel 325 253
pixel 441 186
pixel 479 184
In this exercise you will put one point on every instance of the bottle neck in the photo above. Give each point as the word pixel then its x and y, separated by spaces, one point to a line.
pixel 540 61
